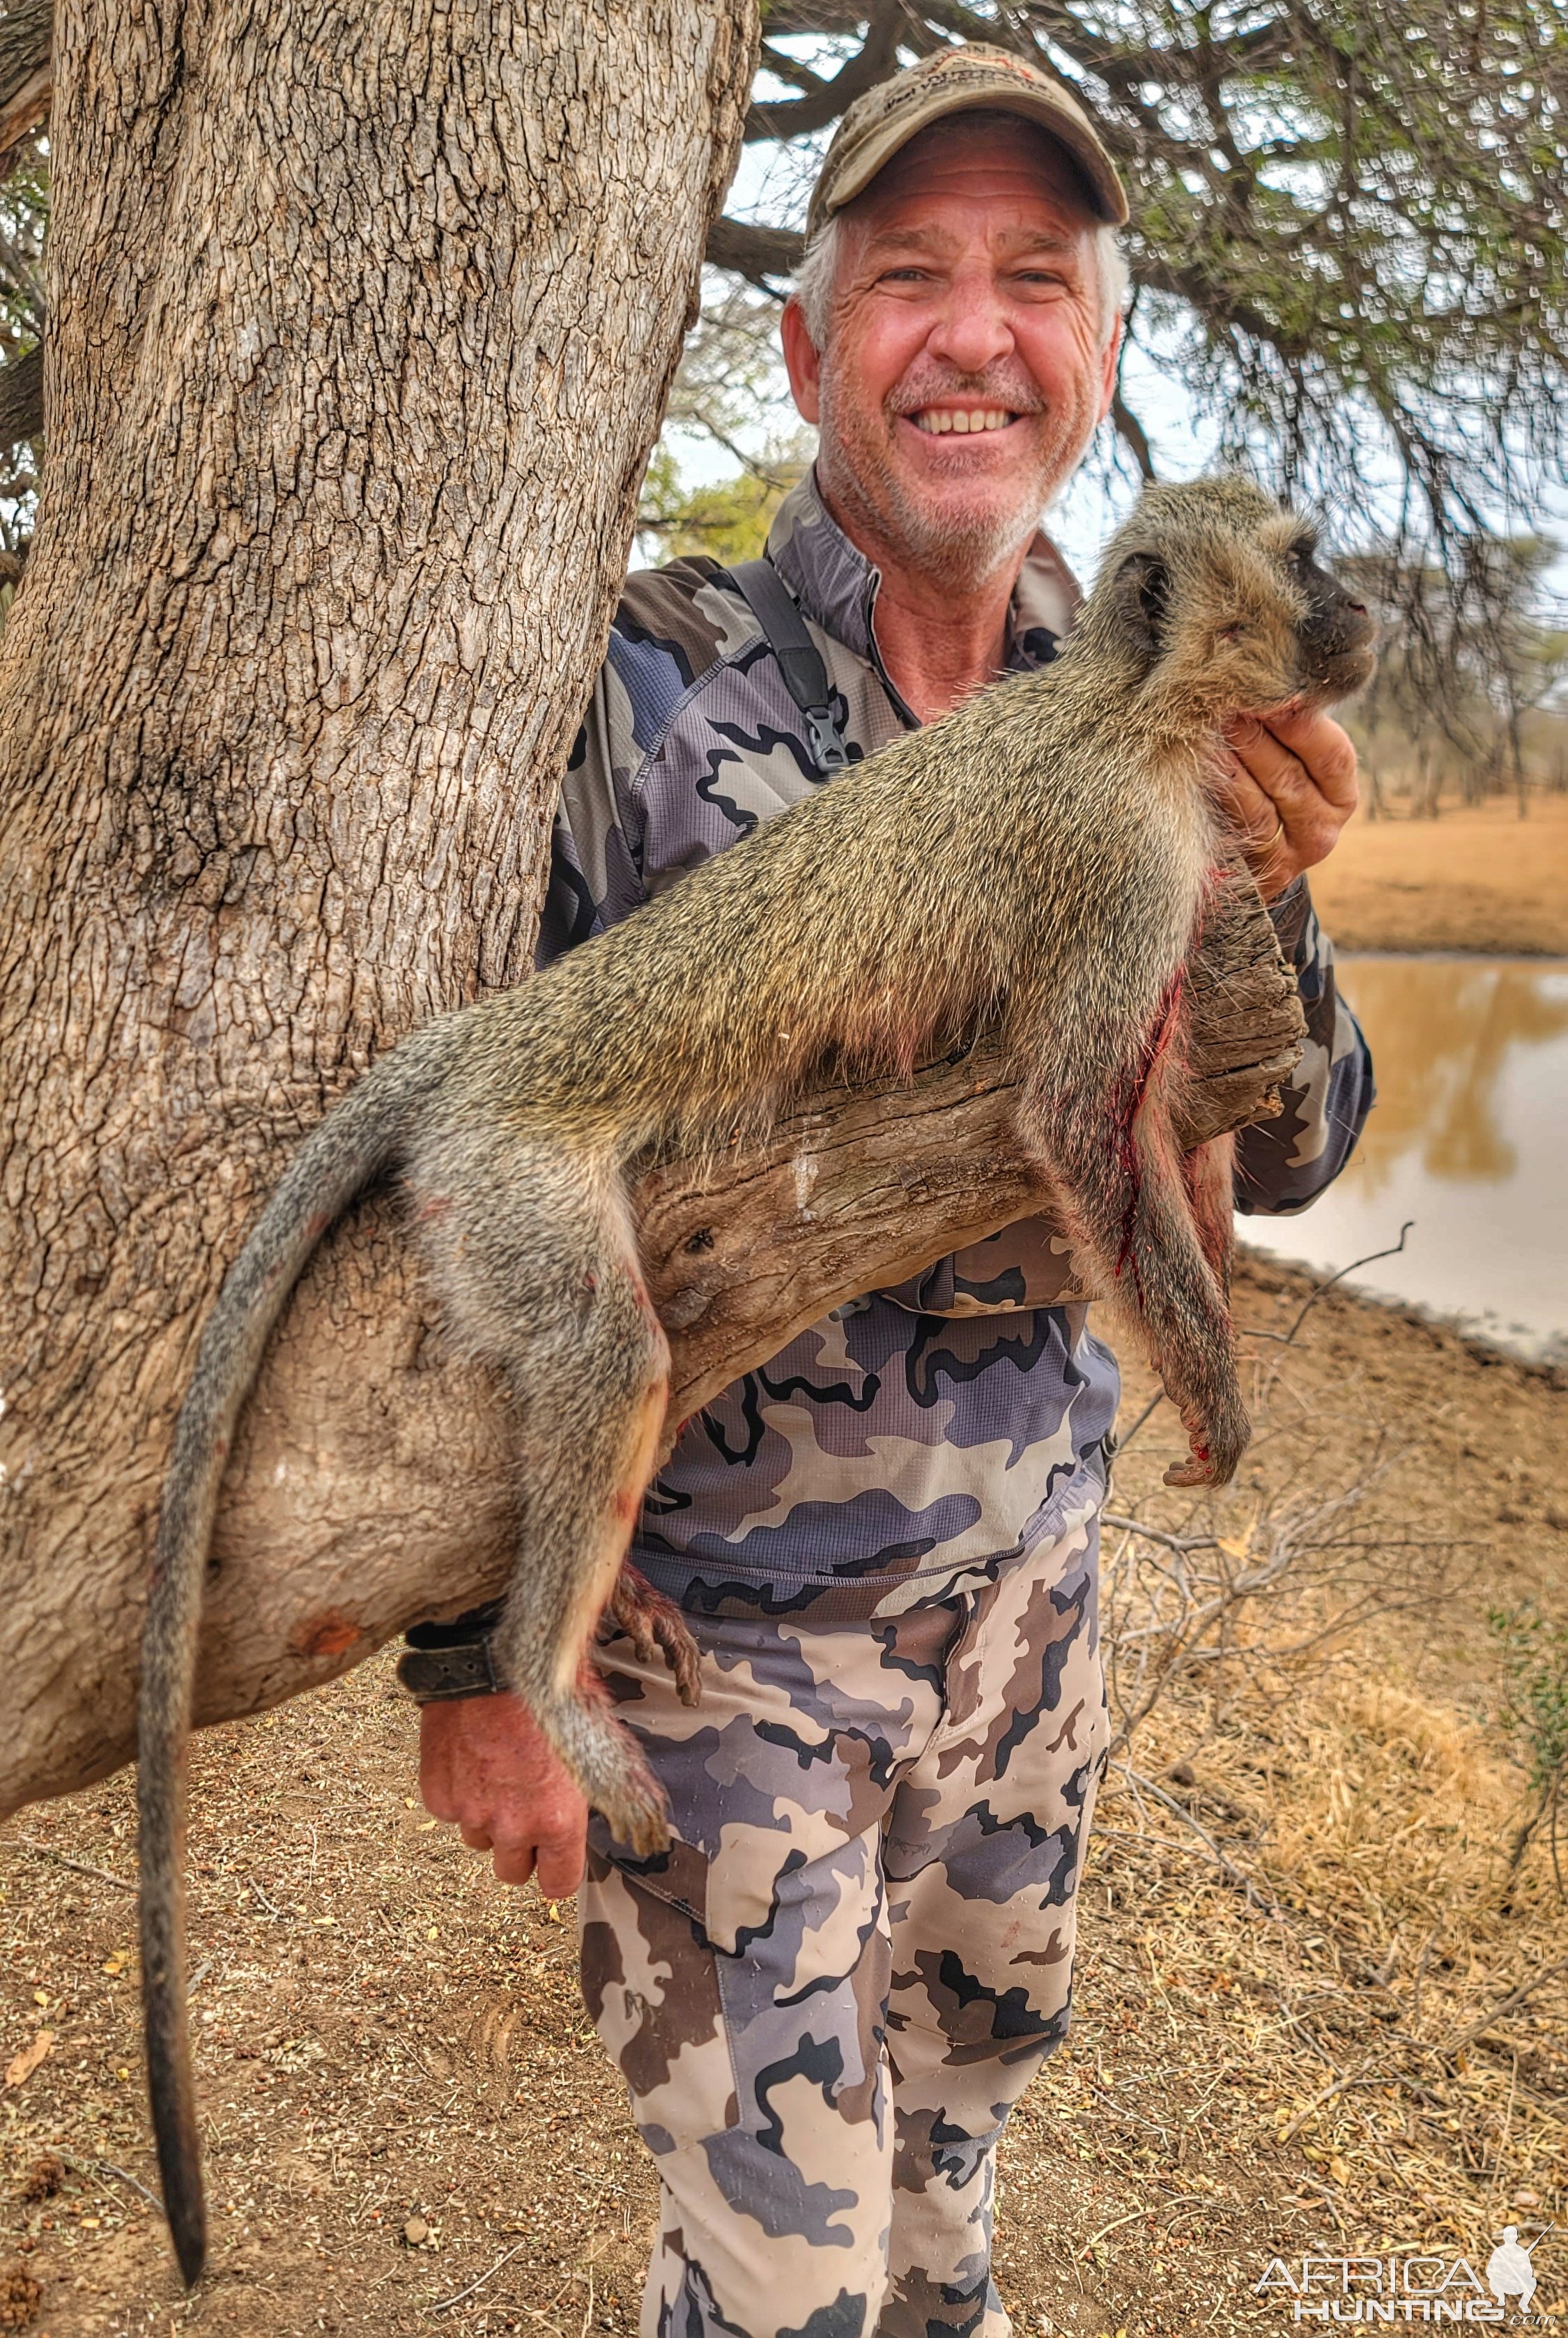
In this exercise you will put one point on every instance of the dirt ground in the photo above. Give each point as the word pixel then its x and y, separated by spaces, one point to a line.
pixel 1473 879
pixel 1299 2025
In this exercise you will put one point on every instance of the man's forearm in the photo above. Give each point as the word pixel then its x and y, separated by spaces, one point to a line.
pixel 1282 1164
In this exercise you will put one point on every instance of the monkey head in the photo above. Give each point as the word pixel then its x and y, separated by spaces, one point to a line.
pixel 1216 595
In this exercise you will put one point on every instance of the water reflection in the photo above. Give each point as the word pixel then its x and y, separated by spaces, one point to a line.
pixel 1469 1139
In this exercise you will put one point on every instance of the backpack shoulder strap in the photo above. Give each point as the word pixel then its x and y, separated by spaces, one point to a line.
pixel 800 662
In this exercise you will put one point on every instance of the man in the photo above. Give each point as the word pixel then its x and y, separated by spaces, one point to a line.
pixel 826 1997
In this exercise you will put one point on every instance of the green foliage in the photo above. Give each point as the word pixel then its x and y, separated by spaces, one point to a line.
pixel 1535 1710
pixel 1533 1713
pixel 23 218
pixel 729 520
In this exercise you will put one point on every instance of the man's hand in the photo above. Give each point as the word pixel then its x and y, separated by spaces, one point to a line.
pixel 1291 786
pixel 485 1763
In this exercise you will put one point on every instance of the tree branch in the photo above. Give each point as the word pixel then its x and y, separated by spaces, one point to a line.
pixel 21 398
pixel 876 59
pixel 1132 433
pixel 760 254
pixel 372 1480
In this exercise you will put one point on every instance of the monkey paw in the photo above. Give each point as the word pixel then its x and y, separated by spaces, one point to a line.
pixel 1196 1471
pixel 655 1627
pixel 1218 1445
pixel 646 1830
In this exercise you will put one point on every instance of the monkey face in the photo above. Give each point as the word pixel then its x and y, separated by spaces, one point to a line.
pixel 1223 600
pixel 1338 637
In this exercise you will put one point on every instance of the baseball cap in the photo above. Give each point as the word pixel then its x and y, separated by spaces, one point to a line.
pixel 958 81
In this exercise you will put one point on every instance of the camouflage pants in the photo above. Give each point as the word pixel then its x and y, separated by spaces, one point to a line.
pixel 826 1998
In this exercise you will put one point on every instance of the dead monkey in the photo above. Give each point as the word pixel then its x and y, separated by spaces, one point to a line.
pixel 1039 860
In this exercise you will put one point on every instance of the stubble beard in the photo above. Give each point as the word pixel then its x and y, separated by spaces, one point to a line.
pixel 958 548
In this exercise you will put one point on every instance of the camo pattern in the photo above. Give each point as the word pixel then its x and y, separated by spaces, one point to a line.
pixel 827 1996
pixel 934 1429
pixel 1283 1165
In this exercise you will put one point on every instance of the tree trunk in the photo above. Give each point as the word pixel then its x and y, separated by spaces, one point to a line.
pixel 370 1483
pixel 24 74
pixel 360 327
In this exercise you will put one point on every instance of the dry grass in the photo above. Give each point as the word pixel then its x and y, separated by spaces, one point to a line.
pixel 1298 2012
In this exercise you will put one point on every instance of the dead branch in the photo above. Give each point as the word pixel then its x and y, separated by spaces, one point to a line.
pixel 371 1480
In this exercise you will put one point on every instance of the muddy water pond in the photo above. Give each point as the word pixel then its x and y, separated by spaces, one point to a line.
pixel 1468 1141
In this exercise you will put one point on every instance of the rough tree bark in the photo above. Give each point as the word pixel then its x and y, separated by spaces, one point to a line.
pixel 25 75
pixel 361 321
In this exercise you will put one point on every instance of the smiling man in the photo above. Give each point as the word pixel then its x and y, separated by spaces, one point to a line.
pixel 826 1997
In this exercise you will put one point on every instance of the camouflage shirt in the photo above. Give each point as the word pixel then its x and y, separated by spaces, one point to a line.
pixel 920 1439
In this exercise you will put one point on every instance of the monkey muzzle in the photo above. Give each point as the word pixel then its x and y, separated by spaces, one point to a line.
pixel 1338 643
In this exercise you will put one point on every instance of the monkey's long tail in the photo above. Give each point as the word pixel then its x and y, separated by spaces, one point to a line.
pixel 357 1140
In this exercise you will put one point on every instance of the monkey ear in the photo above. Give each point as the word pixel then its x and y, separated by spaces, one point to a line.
pixel 1143 594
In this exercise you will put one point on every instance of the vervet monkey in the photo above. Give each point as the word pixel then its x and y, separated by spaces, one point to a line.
pixel 1037 861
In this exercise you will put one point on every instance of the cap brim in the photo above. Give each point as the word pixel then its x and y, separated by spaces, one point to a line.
pixel 1095 165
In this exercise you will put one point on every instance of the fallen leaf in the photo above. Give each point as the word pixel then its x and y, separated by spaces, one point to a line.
pixel 21 2066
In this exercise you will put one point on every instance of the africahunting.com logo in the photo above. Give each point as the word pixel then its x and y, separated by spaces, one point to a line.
pixel 1412 2285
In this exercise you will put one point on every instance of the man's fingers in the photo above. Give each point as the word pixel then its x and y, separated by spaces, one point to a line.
pixel 1276 772
pixel 1253 812
pixel 474 1837
pixel 1323 749
pixel 562 1859
pixel 1291 788
pixel 514 1862
pixel 1305 769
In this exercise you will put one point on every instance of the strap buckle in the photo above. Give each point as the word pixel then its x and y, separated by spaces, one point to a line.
pixel 799 659
pixel 827 746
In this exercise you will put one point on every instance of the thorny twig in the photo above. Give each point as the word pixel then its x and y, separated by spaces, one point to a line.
pixel 77 1866
pixel 1168 1615
pixel 1288 1338
pixel 1515 1997
pixel 446 2304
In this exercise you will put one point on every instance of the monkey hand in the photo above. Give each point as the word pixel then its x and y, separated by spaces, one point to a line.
pixel 486 1765
pixel 654 1624
pixel 1219 1436
pixel 1194 1471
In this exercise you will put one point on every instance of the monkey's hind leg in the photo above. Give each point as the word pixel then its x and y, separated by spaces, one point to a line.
pixel 543 1278
pixel 1154 1227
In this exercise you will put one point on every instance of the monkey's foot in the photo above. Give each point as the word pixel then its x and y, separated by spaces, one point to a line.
pixel 655 1627
pixel 1197 1471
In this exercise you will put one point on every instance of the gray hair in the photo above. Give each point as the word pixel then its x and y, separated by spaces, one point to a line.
pixel 818 271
